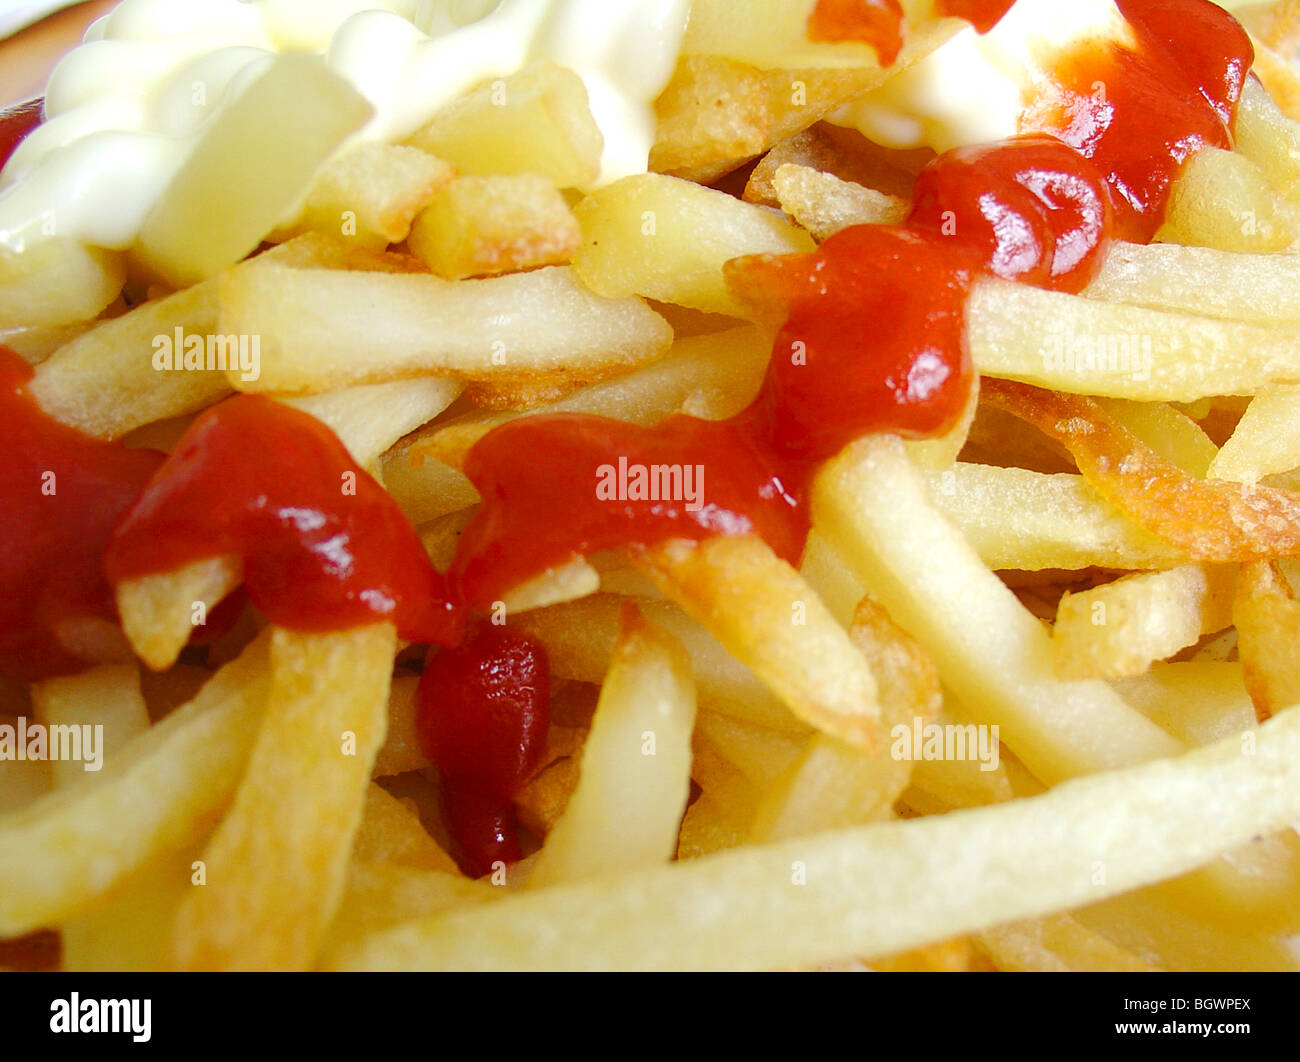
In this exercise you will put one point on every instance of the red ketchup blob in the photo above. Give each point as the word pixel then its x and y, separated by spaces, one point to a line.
pixel 482 714
pixel 874 339
pixel 61 493
pixel 1035 209
pixel 324 546
pixel 15 123
pixel 878 23
pixel 1139 113
pixel 558 487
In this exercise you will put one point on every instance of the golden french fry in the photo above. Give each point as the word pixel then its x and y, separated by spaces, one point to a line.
pixel 372 193
pixel 133 370
pixel 160 613
pixel 67 849
pixel 1222 199
pixel 764 613
pixel 668 239
pixel 1266 440
pixel 325 329
pixel 823 204
pixel 1267 617
pixel 877 889
pixel 1211 520
pixel 56 281
pixel 275 867
pixel 536 121
pixel 1120 628
pixel 483 226
pixel 635 774
pixel 391 833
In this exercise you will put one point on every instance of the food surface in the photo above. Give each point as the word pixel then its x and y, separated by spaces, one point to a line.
pixel 657 484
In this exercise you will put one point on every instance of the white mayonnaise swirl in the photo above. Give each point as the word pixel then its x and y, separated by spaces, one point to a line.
pixel 125 109
pixel 973 89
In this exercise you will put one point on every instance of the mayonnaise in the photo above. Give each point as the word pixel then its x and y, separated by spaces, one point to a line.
pixel 974 89
pixel 125 109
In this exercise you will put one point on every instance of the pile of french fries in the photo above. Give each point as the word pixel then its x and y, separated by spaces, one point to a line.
pixel 1097 562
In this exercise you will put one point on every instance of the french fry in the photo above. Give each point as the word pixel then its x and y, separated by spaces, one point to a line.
pixel 391 833
pixel 668 239
pixel 371 418
pixel 823 204
pixel 1264 134
pixel 483 226
pixel 834 785
pixel 1017 519
pixel 326 329
pixel 373 192
pixel 1147 924
pixel 871 505
pixel 218 208
pixel 1168 431
pixel 536 121
pixel 103 706
pixel 1224 200
pixel 635 774
pixel 276 865
pixel 1261 289
pixel 569 582
pixel 999 661
pixel 1211 520
pixel 876 889
pixel 763 755
pixel 159 613
pixel 55 281
pixel 765 614
pixel 35 343
pixel 543 801
pixel 67 849
pixel 1199 702
pixel 1266 440
pixel 105 382
pixel 1267 617
pixel 838 152
pixel 1057 944
pixel 580 636
pixel 379 895
pixel 1120 628
pixel 401 750
pixel 1079 345
pixel 718 374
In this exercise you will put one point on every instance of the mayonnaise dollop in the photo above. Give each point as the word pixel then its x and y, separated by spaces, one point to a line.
pixel 974 89
pixel 126 108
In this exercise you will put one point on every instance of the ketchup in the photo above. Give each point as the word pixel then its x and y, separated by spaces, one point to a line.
pixel 482 714
pixel 1140 114
pixel 879 23
pixel 15 123
pixel 873 341
pixel 324 546
pixel 62 494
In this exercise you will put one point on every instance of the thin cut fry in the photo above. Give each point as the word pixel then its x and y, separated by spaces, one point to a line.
pixel 160 613
pixel 877 889
pixel 1120 628
pixel 67 849
pixel 1210 520
pixel 1267 617
pixel 635 775
pixel 764 613
pixel 276 865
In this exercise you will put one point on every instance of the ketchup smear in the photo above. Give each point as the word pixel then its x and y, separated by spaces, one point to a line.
pixel 482 713
pixel 63 493
pixel 874 338
pixel 324 546
pixel 15 123
pixel 879 23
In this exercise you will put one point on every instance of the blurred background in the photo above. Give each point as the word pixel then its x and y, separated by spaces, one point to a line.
pixel 28 55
